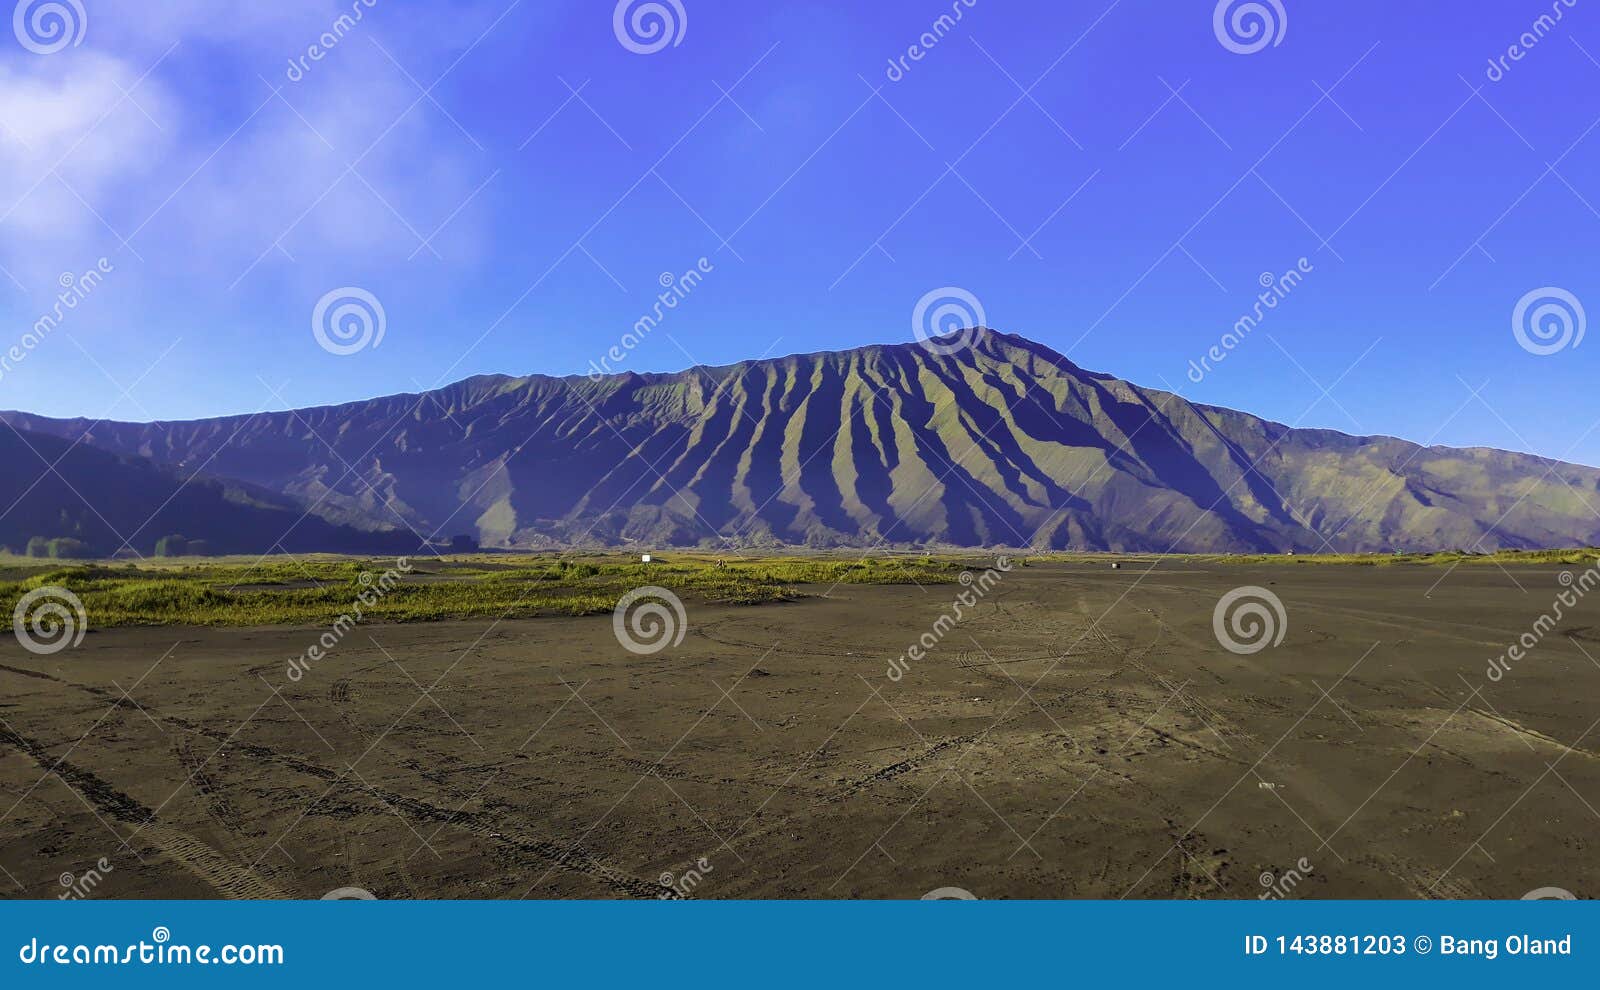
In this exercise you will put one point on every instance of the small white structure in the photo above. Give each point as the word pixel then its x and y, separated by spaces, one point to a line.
pixel 644 558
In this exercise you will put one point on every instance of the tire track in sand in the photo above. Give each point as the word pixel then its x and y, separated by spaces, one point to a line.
pixel 215 870
pixel 234 881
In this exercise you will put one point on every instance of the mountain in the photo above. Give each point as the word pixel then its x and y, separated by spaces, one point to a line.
pixel 74 500
pixel 1002 443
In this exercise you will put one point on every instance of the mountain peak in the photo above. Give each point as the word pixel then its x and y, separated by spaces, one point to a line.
pixel 981 438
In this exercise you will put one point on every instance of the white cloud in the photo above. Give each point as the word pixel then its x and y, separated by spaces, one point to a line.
pixel 71 134
pixel 215 200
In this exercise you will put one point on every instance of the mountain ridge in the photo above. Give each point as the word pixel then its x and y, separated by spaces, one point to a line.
pixel 156 511
pixel 17 415
pixel 1002 442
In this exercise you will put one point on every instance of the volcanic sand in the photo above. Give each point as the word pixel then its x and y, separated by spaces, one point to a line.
pixel 1079 733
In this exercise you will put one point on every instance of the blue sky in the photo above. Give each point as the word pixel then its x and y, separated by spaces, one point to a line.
pixel 510 181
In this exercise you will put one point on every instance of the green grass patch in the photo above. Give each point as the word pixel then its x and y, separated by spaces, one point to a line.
pixel 317 591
